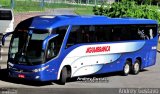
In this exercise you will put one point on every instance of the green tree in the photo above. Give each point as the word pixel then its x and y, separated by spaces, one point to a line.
pixel 128 9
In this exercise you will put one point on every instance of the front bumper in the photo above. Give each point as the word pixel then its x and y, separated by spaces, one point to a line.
pixel 39 76
pixel 27 76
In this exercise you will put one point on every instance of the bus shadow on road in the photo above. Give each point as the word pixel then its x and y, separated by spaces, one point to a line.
pixel 98 78
pixel 86 79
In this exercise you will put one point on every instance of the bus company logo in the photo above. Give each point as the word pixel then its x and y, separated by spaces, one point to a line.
pixel 98 49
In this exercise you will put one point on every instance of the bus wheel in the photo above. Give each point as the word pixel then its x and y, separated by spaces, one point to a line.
pixel 63 76
pixel 136 67
pixel 68 75
pixel 126 68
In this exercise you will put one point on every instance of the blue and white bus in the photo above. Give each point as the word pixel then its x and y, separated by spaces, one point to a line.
pixel 47 48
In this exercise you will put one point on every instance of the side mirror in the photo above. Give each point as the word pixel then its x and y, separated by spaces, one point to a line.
pixel 5 36
pixel 46 40
pixel 1 35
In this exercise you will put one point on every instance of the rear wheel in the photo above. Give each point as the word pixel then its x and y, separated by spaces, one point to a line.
pixel 136 67
pixel 126 68
pixel 63 76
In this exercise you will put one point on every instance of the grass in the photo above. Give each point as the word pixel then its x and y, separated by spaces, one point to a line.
pixel 28 5
pixel 78 9
pixel 84 11
pixel 61 5
pixel 22 6
pixel 5 3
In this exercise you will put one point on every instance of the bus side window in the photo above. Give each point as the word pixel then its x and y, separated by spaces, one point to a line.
pixel 86 36
pixel 149 33
pixel 146 32
pixel 71 39
pixel 103 33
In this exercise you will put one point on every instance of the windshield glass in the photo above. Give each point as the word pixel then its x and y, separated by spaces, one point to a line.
pixel 26 45
pixel 26 48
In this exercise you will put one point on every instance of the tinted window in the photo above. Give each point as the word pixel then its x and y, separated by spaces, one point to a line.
pixel 51 50
pixel 110 33
pixel 61 31
pixel 81 34
pixel 55 44
pixel 24 43
pixel 39 34
pixel 5 15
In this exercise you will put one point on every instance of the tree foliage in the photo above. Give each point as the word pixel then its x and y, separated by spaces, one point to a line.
pixel 143 2
pixel 128 9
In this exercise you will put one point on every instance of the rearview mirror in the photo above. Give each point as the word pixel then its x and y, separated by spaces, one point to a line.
pixel 5 36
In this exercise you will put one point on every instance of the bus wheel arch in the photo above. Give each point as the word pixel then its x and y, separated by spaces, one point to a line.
pixel 65 74
pixel 129 60
pixel 140 60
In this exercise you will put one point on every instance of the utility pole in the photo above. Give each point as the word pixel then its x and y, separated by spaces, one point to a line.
pixel 42 3
pixel 12 4
pixel 95 2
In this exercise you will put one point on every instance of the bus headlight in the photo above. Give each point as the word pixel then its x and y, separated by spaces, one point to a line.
pixel 40 69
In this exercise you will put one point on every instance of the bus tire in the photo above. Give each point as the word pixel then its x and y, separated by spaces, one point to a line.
pixel 136 67
pixel 63 76
pixel 69 75
pixel 126 68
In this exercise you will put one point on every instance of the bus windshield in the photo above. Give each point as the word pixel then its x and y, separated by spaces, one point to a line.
pixel 27 48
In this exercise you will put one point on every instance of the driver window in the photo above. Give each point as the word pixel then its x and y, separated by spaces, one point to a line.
pixel 53 48
pixel 54 45
pixel 51 52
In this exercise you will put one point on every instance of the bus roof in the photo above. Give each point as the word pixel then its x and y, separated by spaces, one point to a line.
pixel 50 21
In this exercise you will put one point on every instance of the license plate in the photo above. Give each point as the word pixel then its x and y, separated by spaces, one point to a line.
pixel 21 76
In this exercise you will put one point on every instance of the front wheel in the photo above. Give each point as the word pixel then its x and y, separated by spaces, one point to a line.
pixel 126 69
pixel 136 67
pixel 63 76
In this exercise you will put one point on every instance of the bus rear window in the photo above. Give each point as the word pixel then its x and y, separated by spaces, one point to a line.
pixel 5 15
